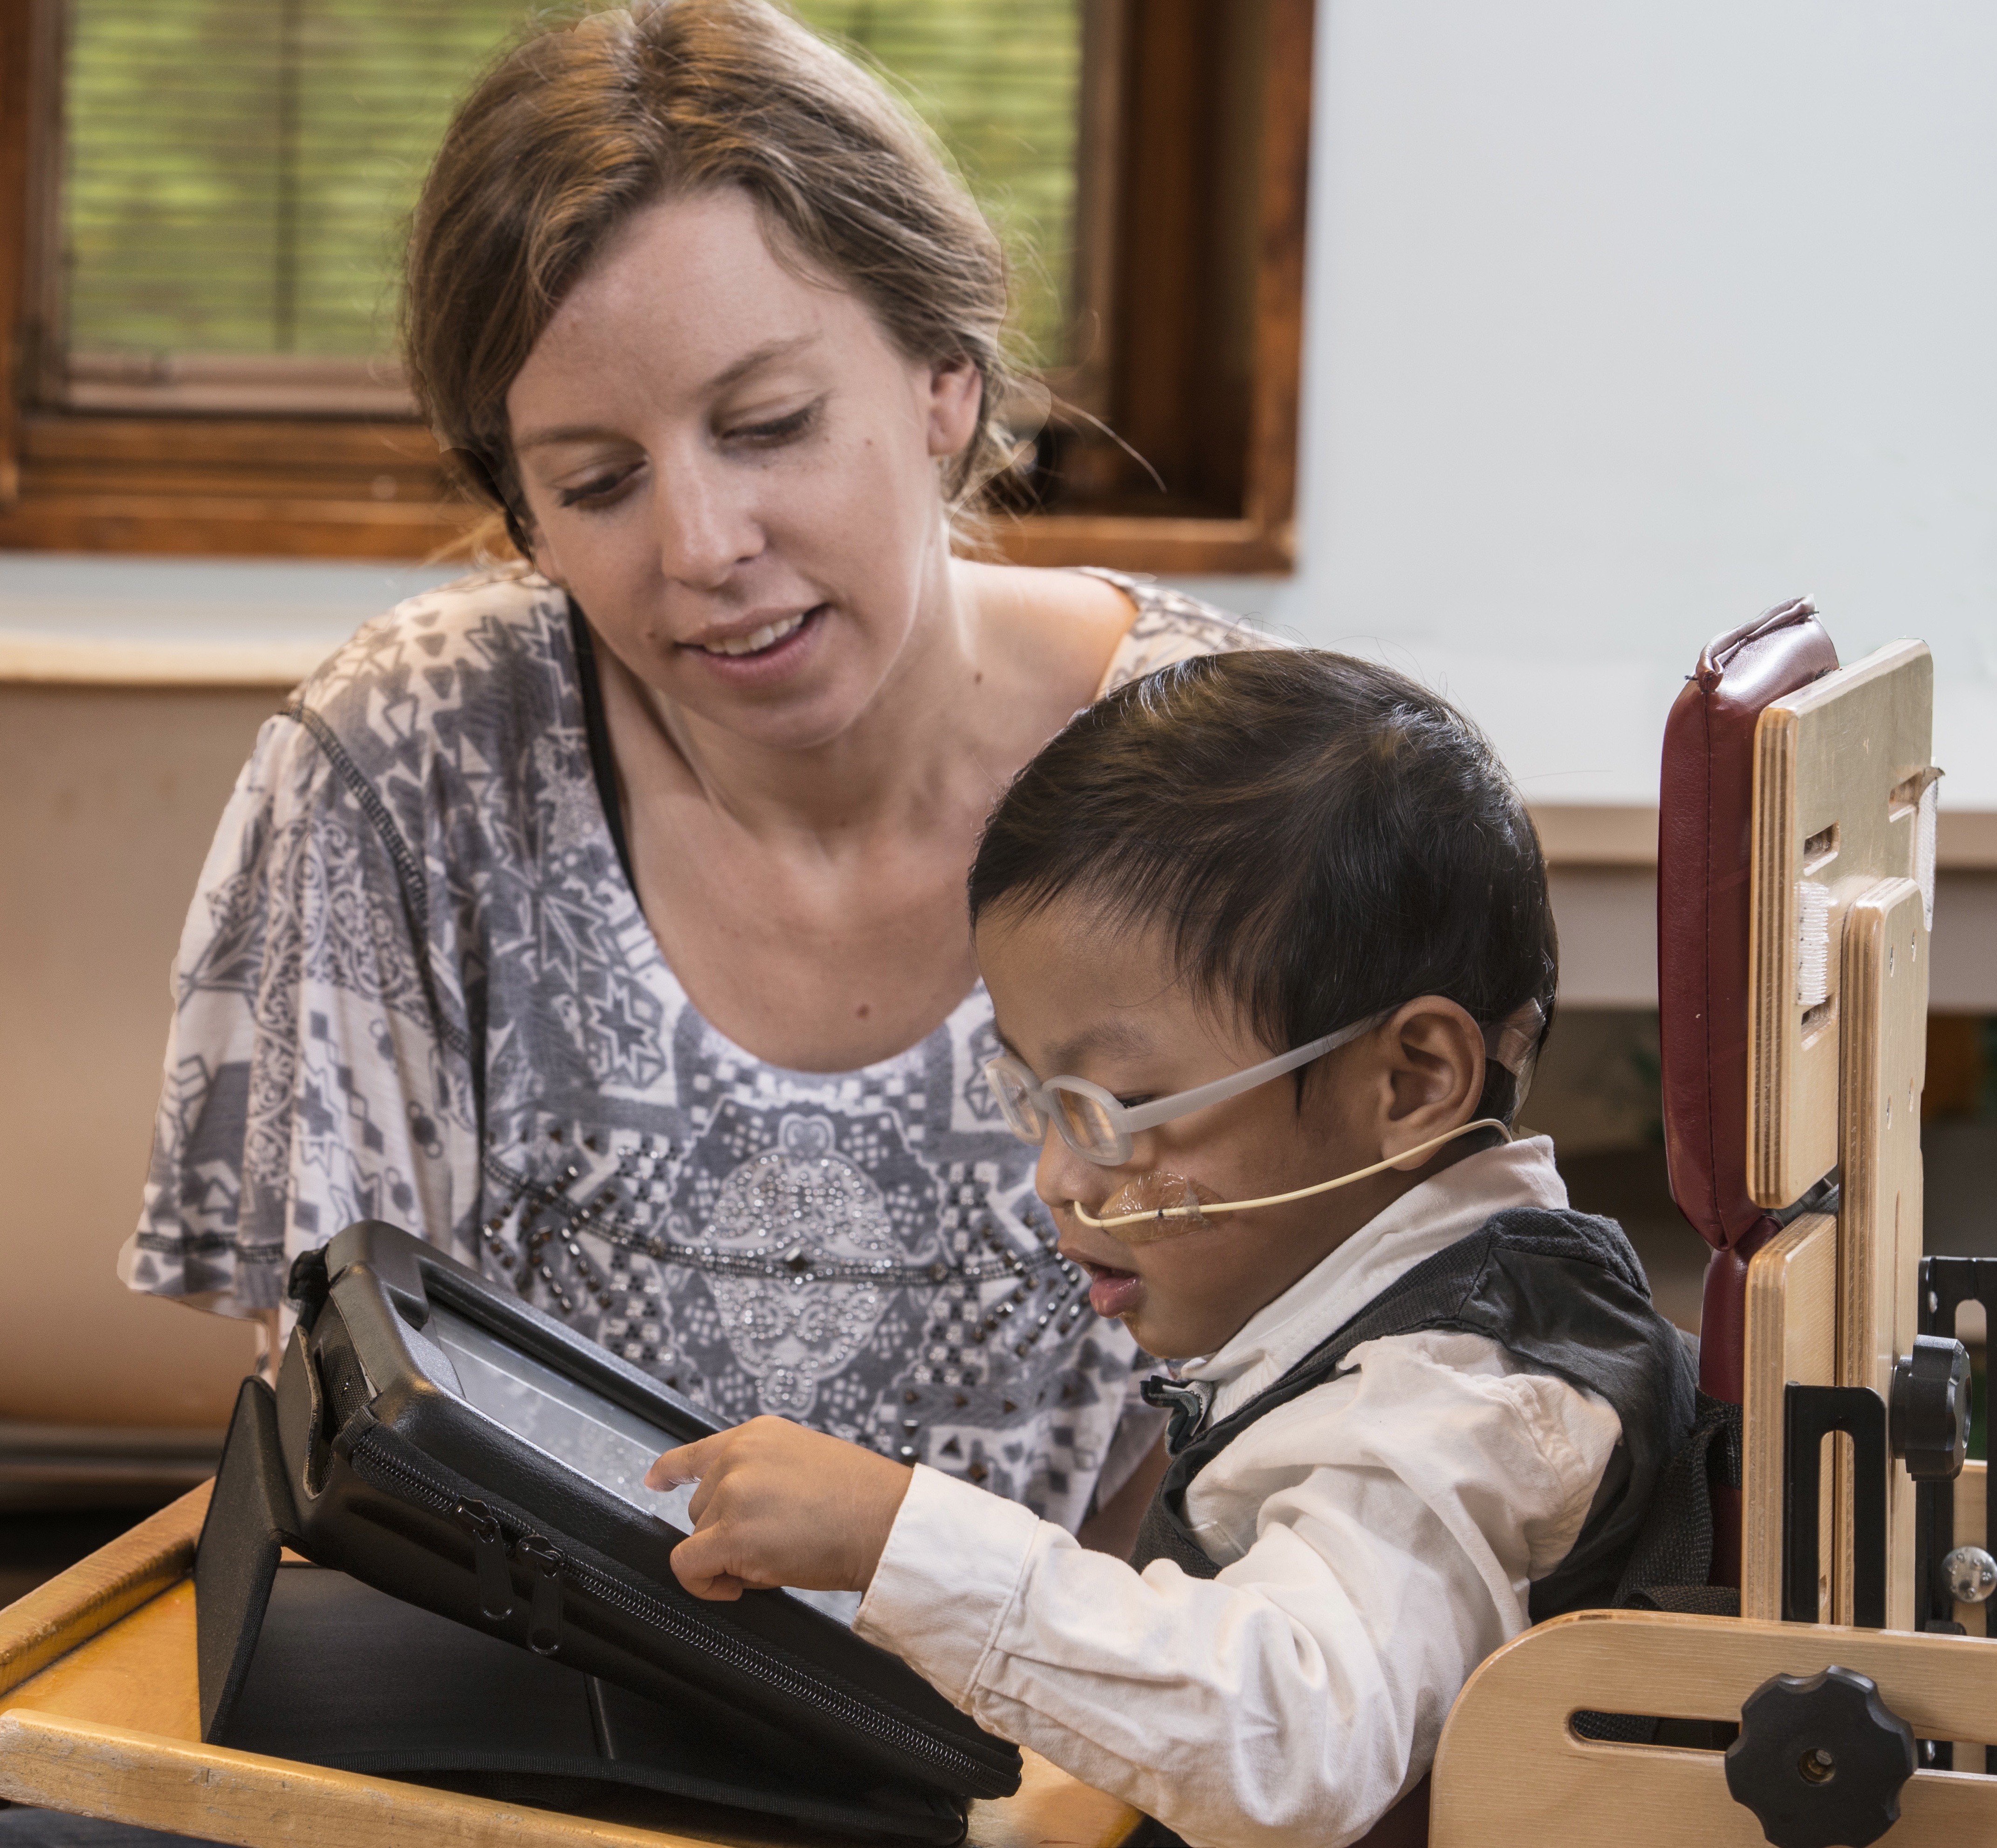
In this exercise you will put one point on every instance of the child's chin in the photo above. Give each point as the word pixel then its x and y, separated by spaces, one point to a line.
pixel 1163 1337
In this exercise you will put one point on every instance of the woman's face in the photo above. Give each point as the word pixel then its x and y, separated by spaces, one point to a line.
pixel 734 469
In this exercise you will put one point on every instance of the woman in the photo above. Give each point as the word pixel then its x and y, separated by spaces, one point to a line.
pixel 603 922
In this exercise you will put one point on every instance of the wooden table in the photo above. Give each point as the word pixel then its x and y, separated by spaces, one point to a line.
pixel 99 1717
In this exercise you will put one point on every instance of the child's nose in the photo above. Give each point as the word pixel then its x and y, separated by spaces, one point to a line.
pixel 1062 1175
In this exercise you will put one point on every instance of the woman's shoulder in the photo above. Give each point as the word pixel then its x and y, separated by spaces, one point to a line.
pixel 505 616
pixel 476 663
pixel 1172 627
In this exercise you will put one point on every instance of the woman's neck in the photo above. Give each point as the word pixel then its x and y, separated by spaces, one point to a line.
pixel 811 902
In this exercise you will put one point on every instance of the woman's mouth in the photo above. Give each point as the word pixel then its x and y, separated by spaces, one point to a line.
pixel 755 641
pixel 1112 1293
pixel 756 648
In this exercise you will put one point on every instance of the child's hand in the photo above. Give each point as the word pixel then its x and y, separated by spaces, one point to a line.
pixel 780 1505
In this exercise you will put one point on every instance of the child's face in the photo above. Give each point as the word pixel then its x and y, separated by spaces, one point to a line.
pixel 1074 997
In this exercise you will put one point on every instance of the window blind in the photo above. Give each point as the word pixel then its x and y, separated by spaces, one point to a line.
pixel 1000 82
pixel 237 173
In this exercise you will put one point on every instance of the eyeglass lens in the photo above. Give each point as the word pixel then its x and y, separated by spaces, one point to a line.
pixel 1015 1102
pixel 1089 1127
pixel 1086 1125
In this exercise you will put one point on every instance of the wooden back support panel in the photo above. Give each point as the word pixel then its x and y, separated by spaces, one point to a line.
pixel 1842 885
pixel 1843 787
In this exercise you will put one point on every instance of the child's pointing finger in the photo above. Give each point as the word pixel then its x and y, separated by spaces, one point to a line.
pixel 678 1467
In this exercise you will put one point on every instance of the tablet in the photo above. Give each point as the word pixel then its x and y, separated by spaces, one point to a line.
pixel 575 1424
pixel 445 1441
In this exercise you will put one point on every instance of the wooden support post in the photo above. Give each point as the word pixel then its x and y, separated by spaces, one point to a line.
pixel 1884 1020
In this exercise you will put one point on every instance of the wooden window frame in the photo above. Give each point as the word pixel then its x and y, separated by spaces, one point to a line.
pixel 373 487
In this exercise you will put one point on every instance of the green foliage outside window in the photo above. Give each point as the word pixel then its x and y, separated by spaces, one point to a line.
pixel 236 172
pixel 1000 82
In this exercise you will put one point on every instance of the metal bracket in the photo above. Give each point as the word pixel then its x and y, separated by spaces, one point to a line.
pixel 1810 1414
pixel 1947 1283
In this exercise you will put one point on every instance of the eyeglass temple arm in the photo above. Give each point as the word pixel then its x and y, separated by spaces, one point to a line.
pixel 1184 1102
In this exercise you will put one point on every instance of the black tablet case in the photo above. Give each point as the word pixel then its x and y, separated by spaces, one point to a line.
pixel 551 1655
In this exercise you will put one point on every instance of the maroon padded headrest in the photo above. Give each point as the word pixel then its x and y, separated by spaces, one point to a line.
pixel 1704 824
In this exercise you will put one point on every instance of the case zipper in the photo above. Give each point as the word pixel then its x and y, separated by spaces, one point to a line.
pixel 395 1475
pixel 488 1553
pixel 544 1561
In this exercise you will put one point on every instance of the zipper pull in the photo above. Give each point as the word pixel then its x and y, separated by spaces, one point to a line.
pixel 544 1626
pixel 488 1554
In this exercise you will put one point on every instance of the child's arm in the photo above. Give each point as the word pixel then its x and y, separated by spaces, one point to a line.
pixel 1288 1701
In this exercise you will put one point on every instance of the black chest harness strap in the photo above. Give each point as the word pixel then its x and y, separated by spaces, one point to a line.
pixel 1563 1294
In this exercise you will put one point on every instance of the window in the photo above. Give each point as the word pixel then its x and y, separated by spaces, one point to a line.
pixel 200 201
pixel 234 173
pixel 222 236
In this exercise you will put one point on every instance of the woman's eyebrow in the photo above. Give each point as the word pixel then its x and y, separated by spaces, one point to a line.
pixel 765 355
pixel 732 375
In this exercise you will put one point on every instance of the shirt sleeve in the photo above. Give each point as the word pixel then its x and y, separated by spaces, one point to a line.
pixel 1400 1513
pixel 309 1082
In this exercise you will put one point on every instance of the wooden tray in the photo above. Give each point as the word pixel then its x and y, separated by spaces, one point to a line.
pixel 99 1717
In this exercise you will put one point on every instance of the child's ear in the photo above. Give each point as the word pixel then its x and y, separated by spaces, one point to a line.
pixel 1432 1055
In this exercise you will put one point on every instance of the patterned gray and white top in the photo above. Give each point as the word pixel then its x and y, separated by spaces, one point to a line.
pixel 416 985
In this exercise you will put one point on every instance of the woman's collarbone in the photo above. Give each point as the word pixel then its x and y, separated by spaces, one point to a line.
pixel 831 997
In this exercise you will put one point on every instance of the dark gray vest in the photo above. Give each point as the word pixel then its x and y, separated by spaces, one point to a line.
pixel 1561 1292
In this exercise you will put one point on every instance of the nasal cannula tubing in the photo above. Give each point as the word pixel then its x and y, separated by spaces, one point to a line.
pixel 1203 1211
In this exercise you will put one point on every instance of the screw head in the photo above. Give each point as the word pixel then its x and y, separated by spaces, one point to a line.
pixel 1970 1574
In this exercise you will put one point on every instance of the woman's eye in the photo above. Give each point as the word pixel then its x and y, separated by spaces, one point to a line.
pixel 597 492
pixel 776 431
pixel 1132 1103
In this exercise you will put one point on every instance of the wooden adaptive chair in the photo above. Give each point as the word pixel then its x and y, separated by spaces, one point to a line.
pixel 1831 1684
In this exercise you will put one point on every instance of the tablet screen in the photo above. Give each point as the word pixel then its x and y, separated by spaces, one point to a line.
pixel 593 1434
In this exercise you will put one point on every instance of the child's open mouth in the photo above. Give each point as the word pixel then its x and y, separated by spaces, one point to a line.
pixel 1111 1292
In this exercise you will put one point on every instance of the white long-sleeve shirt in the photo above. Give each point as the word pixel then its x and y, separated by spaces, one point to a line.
pixel 1377 1537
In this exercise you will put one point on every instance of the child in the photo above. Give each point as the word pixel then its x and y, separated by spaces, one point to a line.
pixel 1412 1410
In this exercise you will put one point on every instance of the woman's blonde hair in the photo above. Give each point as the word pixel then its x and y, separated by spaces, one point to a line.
pixel 577 127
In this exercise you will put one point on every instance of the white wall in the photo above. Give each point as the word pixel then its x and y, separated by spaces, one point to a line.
pixel 211 602
pixel 1627 320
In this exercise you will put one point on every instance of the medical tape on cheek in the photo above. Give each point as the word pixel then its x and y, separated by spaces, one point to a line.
pixel 1173 1201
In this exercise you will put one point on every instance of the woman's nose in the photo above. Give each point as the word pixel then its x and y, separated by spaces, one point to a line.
pixel 705 522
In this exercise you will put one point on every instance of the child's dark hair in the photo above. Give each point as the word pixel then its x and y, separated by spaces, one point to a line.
pixel 1323 840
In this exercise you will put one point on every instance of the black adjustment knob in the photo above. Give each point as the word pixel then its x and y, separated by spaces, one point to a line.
pixel 1820 1760
pixel 1927 1419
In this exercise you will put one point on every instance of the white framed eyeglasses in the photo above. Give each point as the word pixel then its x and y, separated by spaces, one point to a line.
pixel 1099 1128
